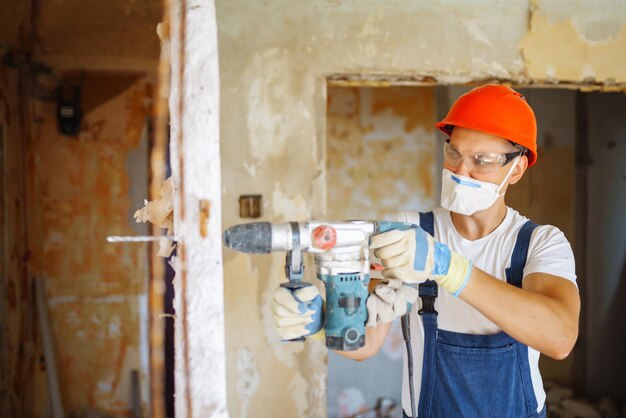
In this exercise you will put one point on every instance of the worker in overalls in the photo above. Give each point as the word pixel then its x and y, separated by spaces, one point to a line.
pixel 495 289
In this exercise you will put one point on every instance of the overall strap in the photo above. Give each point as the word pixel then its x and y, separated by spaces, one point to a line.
pixel 428 291
pixel 427 223
pixel 515 273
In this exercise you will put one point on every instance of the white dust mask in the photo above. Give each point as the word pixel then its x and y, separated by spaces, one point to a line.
pixel 465 195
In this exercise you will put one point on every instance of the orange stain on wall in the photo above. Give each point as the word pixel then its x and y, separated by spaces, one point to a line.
pixel 380 162
pixel 79 191
pixel 416 105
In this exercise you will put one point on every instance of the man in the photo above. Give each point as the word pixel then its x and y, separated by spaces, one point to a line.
pixel 501 289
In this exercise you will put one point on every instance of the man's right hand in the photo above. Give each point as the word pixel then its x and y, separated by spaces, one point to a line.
pixel 299 313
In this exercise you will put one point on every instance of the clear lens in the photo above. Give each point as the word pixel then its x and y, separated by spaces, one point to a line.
pixel 477 163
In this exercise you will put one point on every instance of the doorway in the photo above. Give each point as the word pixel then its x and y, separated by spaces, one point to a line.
pixel 384 156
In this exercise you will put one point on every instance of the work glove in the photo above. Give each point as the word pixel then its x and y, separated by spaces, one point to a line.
pixel 299 313
pixel 389 301
pixel 414 256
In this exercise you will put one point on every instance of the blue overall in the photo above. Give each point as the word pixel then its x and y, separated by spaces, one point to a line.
pixel 465 375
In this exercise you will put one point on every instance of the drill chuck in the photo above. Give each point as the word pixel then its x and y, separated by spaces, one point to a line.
pixel 253 238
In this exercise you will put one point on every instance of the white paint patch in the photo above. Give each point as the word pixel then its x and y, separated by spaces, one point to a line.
pixel 587 72
pixel 250 168
pixel 351 402
pixel 589 18
pixel 288 208
pixel 248 378
pixel 275 112
pixel 114 326
pixel 478 34
pixel 317 383
pixel 105 386
pixel 550 74
pixel 298 389
pixel 113 299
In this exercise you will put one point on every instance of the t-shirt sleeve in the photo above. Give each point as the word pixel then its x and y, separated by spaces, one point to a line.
pixel 408 216
pixel 551 253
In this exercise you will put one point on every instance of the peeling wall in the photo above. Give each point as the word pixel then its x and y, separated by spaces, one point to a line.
pixel 275 56
pixel 382 159
pixel 581 42
pixel 194 103
pixel 380 151
pixel 79 192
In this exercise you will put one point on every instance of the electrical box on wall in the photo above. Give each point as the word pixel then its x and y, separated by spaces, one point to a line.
pixel 69 118
pixel 250 206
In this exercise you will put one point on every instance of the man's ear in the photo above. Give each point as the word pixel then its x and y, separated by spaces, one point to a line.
pixel 519 170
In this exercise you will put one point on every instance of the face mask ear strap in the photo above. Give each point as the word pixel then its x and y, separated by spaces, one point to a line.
pixel 513 165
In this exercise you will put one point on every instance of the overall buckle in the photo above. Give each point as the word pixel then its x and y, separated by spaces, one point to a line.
pixel 428 292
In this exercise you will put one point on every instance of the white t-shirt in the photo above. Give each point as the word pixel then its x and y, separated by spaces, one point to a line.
pixel 548 252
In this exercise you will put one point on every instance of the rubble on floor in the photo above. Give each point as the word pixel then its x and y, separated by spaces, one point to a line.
pixel 561 403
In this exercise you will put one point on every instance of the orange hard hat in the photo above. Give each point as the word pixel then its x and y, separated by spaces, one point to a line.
pixel 497 110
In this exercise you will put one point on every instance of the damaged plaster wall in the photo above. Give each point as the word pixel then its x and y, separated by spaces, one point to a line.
pixel 275 56
pixel 79 193
pixel 194 103
pixel 382 159
pixel 381 151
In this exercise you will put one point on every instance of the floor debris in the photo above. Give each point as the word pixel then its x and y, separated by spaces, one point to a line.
pixel 561 403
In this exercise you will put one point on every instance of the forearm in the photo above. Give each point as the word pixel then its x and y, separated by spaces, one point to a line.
pixel 545 322
pixel 374 339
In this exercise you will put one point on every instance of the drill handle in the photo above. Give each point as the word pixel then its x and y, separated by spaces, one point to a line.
pixel 294 285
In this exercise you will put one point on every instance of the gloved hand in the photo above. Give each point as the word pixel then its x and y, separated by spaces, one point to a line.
pixel 389 301
pixel 414 256
pixel 299 313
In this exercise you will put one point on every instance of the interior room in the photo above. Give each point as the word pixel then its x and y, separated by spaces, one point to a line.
pixel 135 134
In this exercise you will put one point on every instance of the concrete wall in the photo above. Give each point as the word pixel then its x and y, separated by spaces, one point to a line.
pixel 275 57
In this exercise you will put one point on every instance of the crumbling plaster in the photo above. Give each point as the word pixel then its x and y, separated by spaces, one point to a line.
pixel 583 42
pixel 275 57
pixel 200 369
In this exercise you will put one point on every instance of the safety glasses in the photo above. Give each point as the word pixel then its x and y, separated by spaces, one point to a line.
pixel 482 162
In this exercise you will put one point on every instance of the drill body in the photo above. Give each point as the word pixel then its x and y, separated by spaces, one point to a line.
pixel 341 252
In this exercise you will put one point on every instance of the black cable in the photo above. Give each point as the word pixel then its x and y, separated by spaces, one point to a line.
pixel 406 333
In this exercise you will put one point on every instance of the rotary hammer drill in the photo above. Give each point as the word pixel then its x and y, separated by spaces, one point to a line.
pixel 341 251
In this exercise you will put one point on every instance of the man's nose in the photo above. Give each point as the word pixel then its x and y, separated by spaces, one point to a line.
pixel 462 170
